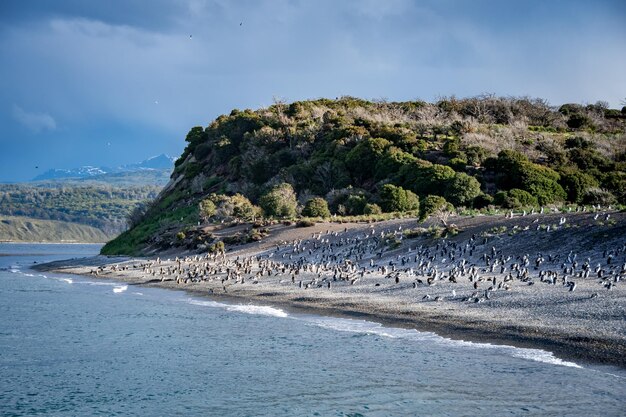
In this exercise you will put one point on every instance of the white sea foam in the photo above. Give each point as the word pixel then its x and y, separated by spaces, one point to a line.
pixel 247 308
pixel 68 280
pixel 260 310
pixel 121 288
pixel 540 356
pixel 138 293
pixel 109 284
pixel 367 327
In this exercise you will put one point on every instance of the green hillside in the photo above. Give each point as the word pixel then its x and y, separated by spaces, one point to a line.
pixel 366 158
pixel 21 229
pixel 98 206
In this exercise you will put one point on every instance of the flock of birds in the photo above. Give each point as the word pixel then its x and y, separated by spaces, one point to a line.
pixel 470 270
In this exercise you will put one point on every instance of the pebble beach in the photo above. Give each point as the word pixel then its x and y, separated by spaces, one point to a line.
pixel 552 281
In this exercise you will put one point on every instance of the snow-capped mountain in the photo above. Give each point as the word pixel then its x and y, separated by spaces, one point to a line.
pixel 159 162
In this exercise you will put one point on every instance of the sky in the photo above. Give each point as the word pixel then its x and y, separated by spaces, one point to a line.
pixel 106 83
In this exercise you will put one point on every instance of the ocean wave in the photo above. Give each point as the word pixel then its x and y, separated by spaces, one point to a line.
pixel 539 355
pixel 242 308
pixel 120 289
pixel 368 327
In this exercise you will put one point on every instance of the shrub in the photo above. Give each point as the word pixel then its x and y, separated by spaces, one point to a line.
pixel 280 201
pixel 515 198
pixel 207 209
pixel 372 209
pixel 516 171
pixel 482 201
pixel 180 236
pixel 476 155
pixel 223 207
pixel 462 189
pixel 391 161
pixel 451 147
pixel 355 204
pixel 347 201
pixel 217 247
pixel 576 184
pixel 434 204
pixel 316 207
pixel 305 223
pixel 615 182
pixel 599 196
pixel 589 159
pixel 395 198
pixel 424 178
pixel 578 121
pixel 458 163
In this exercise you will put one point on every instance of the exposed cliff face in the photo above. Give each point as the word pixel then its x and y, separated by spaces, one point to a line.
pixel 474 152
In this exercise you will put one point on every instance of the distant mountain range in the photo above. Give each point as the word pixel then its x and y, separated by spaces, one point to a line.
pixel 158 163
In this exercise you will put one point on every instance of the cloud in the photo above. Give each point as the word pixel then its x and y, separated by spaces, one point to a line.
pixel 36 122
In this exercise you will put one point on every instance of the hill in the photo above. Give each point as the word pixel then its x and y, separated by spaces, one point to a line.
pixel 83 199
pixel 22 229
pixel 352 157
pixel 101 207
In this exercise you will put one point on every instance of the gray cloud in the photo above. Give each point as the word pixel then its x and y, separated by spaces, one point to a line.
pixel 35 122
pixel 103 66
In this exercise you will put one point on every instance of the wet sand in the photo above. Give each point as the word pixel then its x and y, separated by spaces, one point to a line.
pixel 378 272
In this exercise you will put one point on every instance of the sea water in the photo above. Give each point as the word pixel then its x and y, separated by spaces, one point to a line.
pixel 75 346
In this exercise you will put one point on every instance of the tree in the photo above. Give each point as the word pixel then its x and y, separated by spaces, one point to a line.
pixel 434 205
pixel 280 201
pixel 207 209
pixel 362 159
pixel 393 198
pixel 316 207
pixel 462 189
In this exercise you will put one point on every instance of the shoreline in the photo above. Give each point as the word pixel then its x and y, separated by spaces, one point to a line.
pixel 585 352
pixel 586 326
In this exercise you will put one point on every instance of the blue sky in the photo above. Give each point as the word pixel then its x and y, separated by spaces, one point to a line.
pixel 114 82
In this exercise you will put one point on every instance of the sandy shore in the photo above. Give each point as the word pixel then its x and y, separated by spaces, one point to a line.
pixel 547 281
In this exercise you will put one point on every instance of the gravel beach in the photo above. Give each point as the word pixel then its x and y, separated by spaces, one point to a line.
pixel 552 281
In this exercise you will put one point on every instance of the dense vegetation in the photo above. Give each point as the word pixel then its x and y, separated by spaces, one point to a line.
pixel 103 207
pixel 364 157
